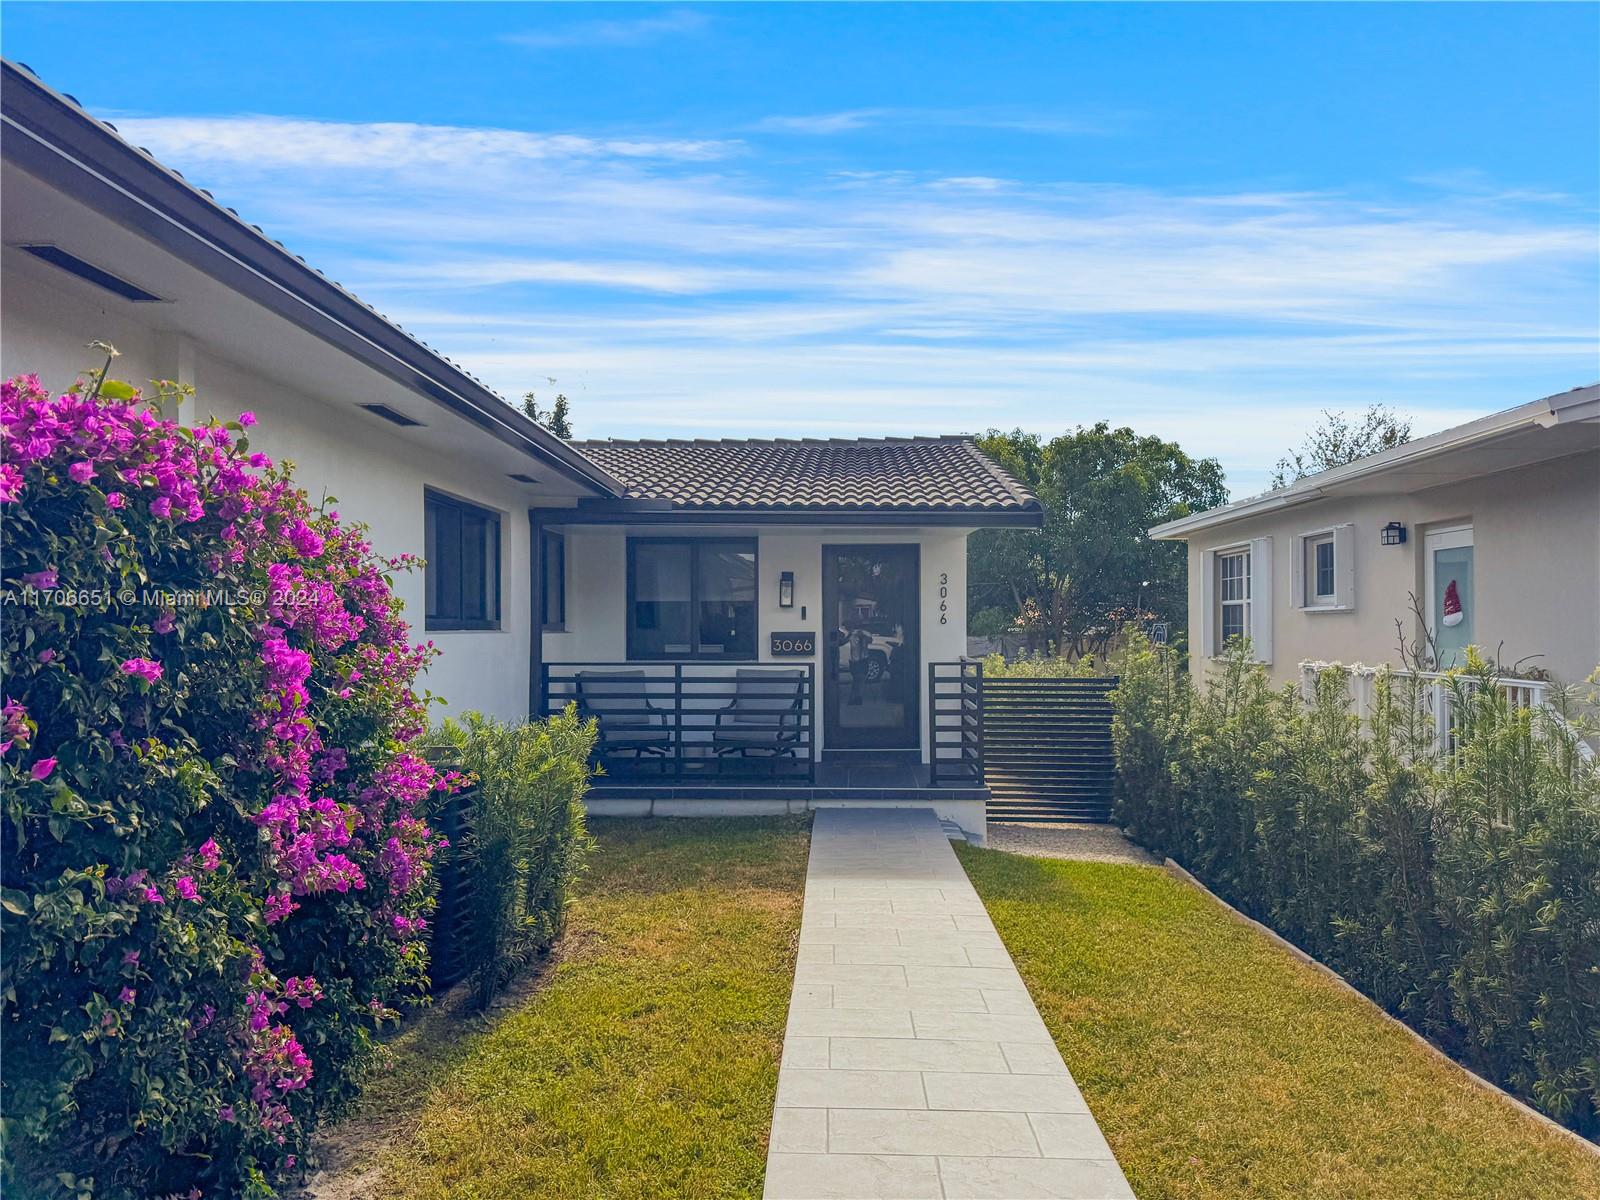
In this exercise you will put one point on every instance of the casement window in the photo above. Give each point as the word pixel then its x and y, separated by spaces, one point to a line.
pixel 1236 595
pixel 553 580
pixel 463 573
pixel 692 598
pixel 1324 570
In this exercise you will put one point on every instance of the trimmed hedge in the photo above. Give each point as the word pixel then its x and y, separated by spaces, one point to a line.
pixel 522 844
pixel 1461 892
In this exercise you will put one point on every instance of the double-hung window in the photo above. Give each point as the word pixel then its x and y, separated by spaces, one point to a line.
pixel 463 555
pixel 1233 595
pixel 691 598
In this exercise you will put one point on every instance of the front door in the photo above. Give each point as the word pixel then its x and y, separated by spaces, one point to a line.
pixel 871 653
pixel 1451 605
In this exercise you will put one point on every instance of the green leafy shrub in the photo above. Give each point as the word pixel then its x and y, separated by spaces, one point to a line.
pixel 525 842
pixel 1460 890
pixel 1040 666
pixel 215 876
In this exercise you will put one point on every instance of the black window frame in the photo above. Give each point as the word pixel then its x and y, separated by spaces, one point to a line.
pixel 750 544
pixel 439 506
pixel 552 557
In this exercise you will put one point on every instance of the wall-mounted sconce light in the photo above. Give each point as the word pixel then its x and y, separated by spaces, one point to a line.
pixel 1394 534
pixel 786 590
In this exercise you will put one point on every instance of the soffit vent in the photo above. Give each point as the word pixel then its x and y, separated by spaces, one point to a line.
pixel 521 478
pixel 87 271
pixel 391 415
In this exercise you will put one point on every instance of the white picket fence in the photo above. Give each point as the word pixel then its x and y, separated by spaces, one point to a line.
pixel 1436 694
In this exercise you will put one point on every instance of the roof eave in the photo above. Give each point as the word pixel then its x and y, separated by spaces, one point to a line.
pixel 613 513
pixel 1578 404
pixel 51 136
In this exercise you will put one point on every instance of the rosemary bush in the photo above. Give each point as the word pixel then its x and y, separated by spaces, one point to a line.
pixel 1461 891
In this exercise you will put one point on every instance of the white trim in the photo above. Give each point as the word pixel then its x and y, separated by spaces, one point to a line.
pixel 1212 640
pixel 1342 598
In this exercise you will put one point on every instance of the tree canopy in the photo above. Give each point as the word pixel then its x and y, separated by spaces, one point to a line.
pixel 557 419
pixel 1338 440
pixel 1069 586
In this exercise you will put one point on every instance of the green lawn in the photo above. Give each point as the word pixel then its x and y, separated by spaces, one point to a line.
pixel 1221 1067
pixel 647 1064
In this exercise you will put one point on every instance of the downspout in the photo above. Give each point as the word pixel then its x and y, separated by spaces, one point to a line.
pixel 535 611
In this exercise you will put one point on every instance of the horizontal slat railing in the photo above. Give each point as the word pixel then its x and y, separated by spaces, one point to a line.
pixel 675 723
pixel 448 930
pixel 955 724
pixel 1048 753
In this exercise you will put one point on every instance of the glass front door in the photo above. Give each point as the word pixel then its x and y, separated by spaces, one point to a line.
pixel 1451 605
pixel 871 653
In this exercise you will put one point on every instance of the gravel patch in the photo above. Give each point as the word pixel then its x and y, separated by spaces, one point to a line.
pixel 1091 843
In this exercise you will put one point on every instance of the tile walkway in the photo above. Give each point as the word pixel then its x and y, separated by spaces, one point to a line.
pixel 915 1063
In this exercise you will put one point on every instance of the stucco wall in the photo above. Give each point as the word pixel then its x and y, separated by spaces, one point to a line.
pixel 377 478
pixel 596 627
pixel 1536 537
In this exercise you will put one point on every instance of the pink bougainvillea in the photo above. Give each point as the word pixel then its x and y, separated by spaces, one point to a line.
pixel 242 803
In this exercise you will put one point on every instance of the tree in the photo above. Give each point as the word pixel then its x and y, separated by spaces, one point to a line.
pixel 558 420
pixel 1337 441
pixel 1069 586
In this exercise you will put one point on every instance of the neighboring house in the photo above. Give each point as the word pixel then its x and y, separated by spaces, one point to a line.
pixel 646 580
pixel 1493 526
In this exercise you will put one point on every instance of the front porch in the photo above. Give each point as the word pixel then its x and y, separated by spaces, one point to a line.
pixel 702 739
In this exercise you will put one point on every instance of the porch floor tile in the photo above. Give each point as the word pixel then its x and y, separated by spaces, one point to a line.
pixel 916 1064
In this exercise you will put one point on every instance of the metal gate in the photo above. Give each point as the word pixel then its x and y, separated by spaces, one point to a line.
pixel 1047 752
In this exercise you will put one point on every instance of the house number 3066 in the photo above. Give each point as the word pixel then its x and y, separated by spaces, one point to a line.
pixel 944 597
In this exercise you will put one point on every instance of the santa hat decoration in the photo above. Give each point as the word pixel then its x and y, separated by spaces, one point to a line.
pixel 1452 605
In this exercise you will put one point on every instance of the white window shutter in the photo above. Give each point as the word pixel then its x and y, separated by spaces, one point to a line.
pixel 1344 566
pixel 1297 572
pixel 1208 603
pixel 1261 598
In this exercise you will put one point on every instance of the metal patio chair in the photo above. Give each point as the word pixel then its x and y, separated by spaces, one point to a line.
pixel 627 719
pixel 764 717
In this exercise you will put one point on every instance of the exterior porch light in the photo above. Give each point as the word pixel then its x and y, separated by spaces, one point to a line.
pixel 1394 534
pixel 786 590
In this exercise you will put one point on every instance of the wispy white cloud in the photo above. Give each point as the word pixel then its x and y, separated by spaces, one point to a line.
pixel 853 119
pixel 635 32
pixel 672 287
pixel 388 146
pixel 822 123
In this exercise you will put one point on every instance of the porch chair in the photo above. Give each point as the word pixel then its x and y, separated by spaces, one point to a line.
pixel 621 706
pixel 764 716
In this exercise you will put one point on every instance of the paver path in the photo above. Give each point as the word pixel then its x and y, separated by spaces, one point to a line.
pixel 915 1063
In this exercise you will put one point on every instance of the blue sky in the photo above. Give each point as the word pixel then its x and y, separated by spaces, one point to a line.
pixel 1207 222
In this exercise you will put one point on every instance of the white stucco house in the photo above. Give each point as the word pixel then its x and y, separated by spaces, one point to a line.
pixel 1494 526
pixel 760 622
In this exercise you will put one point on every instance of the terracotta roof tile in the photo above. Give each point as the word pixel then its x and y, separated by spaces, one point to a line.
pixel 925 474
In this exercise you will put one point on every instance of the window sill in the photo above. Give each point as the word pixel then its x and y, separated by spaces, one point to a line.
pixel 558 627
pixel 1326 608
